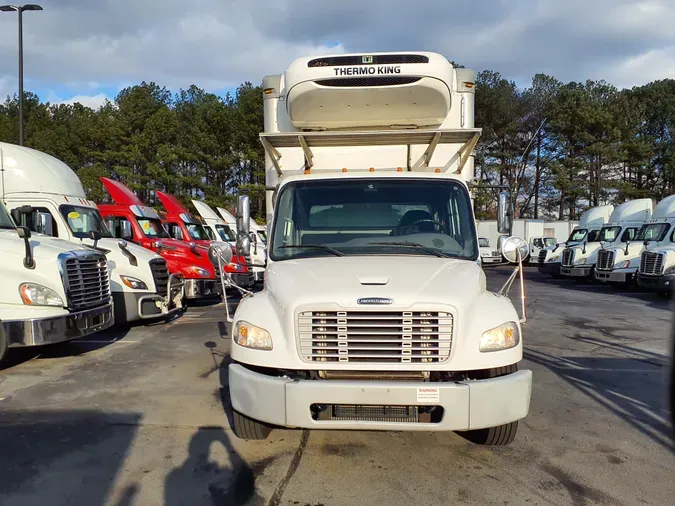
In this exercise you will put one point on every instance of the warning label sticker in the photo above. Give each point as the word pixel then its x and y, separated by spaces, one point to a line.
pixel 428 394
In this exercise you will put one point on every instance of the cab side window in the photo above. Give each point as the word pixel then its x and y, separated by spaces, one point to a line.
pixel 629 234
pixel 175 231
pixel 117 226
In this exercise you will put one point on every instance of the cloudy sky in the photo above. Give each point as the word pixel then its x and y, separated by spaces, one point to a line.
pixel 87 50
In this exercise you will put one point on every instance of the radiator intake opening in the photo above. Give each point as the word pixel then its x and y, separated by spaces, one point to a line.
pixel 376 413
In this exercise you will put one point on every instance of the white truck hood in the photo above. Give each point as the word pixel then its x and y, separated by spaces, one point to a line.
pixel 43 246
pixel 343 280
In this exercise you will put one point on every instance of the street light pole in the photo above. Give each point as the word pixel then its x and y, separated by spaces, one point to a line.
pixel 19 9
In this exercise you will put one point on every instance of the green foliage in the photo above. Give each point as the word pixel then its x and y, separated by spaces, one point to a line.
pixel 560 147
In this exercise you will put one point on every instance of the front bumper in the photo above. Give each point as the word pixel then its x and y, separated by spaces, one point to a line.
pixel 663 283
pixel 245 280
pixel 57 329
pixel 585 271
pixel 614 276
pixel 491 260
pixel 200 288
pixel 550 268
pixel 466 405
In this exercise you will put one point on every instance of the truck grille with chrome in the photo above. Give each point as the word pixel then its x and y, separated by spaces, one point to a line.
pixel 605 260
pixel 86 280
pixel 375 336
pixel 651 263
pixel 160 275
pixel 542 256
pixel 568 257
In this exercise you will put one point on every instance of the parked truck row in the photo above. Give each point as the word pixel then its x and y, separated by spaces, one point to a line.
pixel 86 266
pixel 630 244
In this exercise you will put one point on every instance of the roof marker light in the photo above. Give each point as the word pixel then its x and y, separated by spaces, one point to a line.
pixel 344 169
pixel 307 171
pixel 399 169
pixel 372 169
pixel 437 171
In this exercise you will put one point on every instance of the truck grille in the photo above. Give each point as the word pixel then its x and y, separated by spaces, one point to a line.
pixel 160 275
pixel 651 263
pixel 567 257
pixel 375 336
pixel 86 279
pixel 605 260
pixel 542 256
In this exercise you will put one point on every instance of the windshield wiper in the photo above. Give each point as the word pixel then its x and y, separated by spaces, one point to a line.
pixel 415 245
pixel 314 246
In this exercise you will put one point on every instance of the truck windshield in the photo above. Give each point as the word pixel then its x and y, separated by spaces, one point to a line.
pixel 653 232
pixel 225 233
pixel 5 220
pixel 197 232
pixel 609 234
pixel 374 217
pixel 153 228
pixel 263 236
pixel 577 235
pixel 549 241
pixel 483 242
pixel 83 220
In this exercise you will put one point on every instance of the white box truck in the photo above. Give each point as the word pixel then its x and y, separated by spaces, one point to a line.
pixel 52 290
pixel 44 194
pixel 374 313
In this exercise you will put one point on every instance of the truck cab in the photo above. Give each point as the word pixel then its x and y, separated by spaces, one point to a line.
pixel 375 313
pixel 656 270
pixel 537 245
pixel 619 256
pixel 134 222
pixel 45 195
pixel 587 231
pixel 580 261
pixel 225 233
pixel 488 255
pixel 53 290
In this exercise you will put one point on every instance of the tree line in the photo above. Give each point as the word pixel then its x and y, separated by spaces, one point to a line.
pixel 561 147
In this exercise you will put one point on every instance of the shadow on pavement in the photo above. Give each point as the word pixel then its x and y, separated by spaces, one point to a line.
pixel 633 388
pixel 64 457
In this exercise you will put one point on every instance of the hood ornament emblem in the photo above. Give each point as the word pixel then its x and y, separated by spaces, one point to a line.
pixel 374 300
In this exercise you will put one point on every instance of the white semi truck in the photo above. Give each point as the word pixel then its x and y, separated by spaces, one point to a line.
pixel 618 258
pixel 52 290
pixel 375 312
pixel 45 195
pixel 588 231
pixel 579 261
pixel 657 260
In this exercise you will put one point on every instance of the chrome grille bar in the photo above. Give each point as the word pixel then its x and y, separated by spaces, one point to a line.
pixel 605 260
pixel 375 336
pixel 568 257
pixel 651 263
pixel 86 279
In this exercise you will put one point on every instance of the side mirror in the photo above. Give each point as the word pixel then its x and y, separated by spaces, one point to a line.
pixel 95 235
pixel 584 250
pixel 627 244
pixel 243 226
pixel 254 238
pixel 515 250
pixel 24 233
pixel 512 246
pixel 126 231
pixel 45 225
pixel 504 213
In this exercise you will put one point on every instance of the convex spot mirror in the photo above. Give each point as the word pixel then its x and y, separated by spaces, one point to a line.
pixel 511 246
pixel 220 251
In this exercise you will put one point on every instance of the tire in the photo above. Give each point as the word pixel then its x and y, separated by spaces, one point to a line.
pixel 500 435
pixel 248 428
pixel 4 344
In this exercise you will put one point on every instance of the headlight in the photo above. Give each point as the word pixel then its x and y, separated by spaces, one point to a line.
pixel 500 338
pixel 251 336
pixel 582 261
pixel 553 258
pixel 199 271
pixel 670 270
pixel 133 283
pixel 625 264
pixel 33 294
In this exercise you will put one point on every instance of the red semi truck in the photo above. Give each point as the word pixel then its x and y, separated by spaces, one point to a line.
pixel 184 226
pixel 129 219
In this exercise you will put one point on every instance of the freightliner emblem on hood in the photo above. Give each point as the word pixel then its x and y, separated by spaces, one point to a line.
pixel 374 300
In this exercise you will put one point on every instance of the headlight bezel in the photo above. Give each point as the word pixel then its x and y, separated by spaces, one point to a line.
pixel 130 281
pixel 57 300
pixel 199 271
pixel 489 340
pixel 261 342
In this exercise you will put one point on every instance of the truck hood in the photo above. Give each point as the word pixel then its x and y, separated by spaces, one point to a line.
pixel 591 254
pixel 44 247
pixel 403 279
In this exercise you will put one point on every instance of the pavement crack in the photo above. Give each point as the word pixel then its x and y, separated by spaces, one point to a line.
pixel 275 500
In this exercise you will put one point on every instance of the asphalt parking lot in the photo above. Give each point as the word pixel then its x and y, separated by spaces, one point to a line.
pixel 141 417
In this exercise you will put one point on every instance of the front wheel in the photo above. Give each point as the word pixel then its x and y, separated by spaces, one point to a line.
pixel 248 428
pixel 501 435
